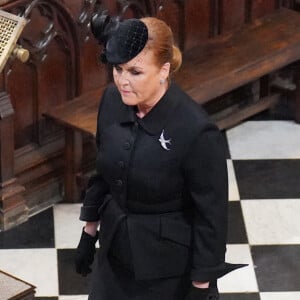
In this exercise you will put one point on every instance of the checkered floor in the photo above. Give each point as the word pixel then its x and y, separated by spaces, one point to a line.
pixel 264 224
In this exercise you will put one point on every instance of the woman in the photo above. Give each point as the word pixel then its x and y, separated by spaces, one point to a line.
pixel 160 191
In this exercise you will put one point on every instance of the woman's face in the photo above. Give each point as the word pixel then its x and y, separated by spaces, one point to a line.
pixel 139 80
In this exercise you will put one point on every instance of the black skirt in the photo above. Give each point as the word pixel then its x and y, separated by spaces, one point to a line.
pixel 111 281
pixel 114 278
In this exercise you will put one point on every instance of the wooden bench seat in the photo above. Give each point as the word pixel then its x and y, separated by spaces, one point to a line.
pixel 79 114
pixel 79 117
pixel 231 61
pixel 210 71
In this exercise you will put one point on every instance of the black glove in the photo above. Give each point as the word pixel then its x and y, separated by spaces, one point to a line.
pixel 202 294
pixel 85 253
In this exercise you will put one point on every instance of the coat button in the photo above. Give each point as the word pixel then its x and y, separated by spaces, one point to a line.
pixel 135 125
pixel 119 182
pixel 127 145
pixel 121 164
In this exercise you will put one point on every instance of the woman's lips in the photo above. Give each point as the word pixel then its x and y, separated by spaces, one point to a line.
pixel 125 92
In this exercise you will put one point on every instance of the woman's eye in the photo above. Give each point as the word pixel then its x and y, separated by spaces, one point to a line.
pixel 118 69
pixel 134 72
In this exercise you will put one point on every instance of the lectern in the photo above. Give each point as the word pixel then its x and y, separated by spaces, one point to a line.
pixel 11 26
pixel 12 288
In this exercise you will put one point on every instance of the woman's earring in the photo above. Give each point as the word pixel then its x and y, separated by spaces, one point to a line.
pixel 162 81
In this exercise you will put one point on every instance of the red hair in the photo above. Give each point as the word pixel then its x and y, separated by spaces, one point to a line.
pixel 161 42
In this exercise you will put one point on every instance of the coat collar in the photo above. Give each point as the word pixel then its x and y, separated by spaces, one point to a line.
pixel 155 121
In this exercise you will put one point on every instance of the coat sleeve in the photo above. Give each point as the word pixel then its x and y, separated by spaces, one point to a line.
pixel 206 179
pixel 97 187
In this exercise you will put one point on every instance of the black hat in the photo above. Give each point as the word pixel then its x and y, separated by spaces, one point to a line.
pixel 121 40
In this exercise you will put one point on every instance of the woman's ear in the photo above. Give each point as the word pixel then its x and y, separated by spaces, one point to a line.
pixel 165 71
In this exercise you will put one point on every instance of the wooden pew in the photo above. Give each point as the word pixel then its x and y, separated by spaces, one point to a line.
pixel 244 56
pixel 78 117
pixel 209 71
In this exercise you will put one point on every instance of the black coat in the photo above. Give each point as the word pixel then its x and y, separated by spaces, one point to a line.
pixel 167 175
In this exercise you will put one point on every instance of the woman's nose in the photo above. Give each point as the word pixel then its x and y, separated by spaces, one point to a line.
pixel 123 78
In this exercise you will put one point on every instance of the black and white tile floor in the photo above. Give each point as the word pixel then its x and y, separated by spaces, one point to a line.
pixel 264 224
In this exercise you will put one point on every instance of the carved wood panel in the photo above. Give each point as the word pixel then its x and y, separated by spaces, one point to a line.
pixel 260 8
pixel 197 25
pixel 232 14
pixel 173 13
pixel 62 65
pixel 194 21
pixel 50 76
pixel 20 85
